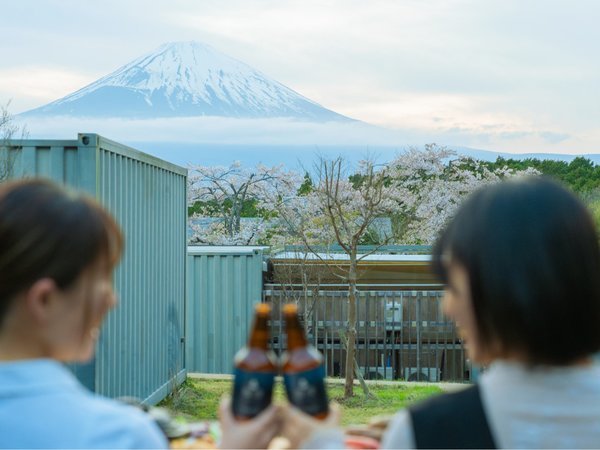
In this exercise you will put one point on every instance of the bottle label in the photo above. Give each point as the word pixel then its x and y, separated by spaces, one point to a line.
pixel 252 392
pixel 306 390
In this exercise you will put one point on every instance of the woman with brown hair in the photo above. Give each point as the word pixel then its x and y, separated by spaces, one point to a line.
pixel 58 250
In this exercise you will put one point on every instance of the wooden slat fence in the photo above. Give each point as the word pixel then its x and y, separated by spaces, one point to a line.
pixel 400 334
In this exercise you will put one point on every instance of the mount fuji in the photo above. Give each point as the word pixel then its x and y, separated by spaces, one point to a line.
pixel 185 79
pixel 186 103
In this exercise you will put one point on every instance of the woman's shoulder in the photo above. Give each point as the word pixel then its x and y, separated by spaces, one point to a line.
pixel 450 420
pixel 122 424
pixel 458 419
pixel 514 379
pixel 75 418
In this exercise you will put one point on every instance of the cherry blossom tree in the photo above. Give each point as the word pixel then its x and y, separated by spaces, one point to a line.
pixel 338 210
pixel 215 232
pixel 430 186
pixel 224 192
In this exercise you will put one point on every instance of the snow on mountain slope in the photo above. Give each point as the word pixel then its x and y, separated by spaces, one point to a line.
pixel 187 79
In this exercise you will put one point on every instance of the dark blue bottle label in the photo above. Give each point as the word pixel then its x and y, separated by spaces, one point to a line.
pixel 252 392
pixel 306 390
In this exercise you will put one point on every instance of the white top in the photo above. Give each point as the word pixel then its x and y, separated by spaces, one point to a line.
pixel 530 408
pixel 42 405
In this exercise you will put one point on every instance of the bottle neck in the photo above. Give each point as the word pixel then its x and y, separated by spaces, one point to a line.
pixel 295 333
pixel 259 338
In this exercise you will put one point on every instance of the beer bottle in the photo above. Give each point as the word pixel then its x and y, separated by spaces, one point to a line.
pixel 303 371
pixel 255 369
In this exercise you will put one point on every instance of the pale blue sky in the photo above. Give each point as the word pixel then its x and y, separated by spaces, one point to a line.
pixel 503 75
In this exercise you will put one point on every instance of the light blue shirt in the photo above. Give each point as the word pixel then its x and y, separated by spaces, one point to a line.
pixel 42 405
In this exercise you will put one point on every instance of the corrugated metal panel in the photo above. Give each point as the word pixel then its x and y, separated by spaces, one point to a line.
pixel 141 350
pixel 222 290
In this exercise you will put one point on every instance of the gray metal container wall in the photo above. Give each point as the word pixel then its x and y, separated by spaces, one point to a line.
pixel 141 349
pixel 224 284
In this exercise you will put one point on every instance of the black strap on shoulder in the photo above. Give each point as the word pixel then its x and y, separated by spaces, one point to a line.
pixel 455 420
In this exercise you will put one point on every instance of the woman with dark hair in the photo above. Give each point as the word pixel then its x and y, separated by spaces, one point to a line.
pixel 57 253
pixel 521 265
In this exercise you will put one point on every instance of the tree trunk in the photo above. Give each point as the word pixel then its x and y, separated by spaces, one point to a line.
pixel 351 331
pixel 357 373
pixel 237 218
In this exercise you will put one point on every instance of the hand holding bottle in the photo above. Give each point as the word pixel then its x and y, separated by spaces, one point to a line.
pixel 250 420
pixel 255 433
pixel 299 427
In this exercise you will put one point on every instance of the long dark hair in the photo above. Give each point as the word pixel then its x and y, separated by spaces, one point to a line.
pixel 49 231
pixel 531 251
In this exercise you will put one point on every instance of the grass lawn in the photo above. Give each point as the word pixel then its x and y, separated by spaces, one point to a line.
pixel 199 399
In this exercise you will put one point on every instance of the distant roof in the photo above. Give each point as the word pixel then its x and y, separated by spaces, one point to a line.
pixel 225 249
pixel 344 257
pixel 362 249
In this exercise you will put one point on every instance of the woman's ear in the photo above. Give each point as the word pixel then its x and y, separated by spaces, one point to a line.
pixel 39 299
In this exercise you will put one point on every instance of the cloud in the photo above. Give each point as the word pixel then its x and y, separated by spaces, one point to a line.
pixel 513 135
pixel 280 131
pixel 554 138
pixel 29 86
pixel 214 129
pixel 433 70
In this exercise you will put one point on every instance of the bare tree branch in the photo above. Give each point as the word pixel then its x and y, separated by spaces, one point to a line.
pixel 9 150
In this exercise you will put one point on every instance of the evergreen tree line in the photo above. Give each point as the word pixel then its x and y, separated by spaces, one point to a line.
pixel 581 174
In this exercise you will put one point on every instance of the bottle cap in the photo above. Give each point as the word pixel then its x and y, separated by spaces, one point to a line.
pixel 262 308
pixel 290 308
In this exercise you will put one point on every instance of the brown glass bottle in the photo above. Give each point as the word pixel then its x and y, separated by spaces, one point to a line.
pixel 303 371
pixel 255 369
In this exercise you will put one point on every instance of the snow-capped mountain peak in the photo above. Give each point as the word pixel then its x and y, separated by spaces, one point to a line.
pixel 187 79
